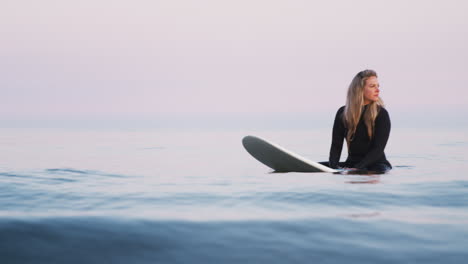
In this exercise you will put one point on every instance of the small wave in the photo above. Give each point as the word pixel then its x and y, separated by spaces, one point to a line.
pixel 404 166
pixel 71 171
pixel 6 174
pixel 67 170
pixel 110 240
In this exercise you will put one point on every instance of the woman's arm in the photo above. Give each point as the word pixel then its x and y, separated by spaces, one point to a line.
pixel 381 134
pixel 337 139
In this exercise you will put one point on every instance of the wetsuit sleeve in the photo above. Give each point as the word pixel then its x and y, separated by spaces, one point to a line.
pixel 381 134
pixel 337 139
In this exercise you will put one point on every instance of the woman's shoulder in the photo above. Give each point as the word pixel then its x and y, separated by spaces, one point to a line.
pixel 383 113
pixel 341 109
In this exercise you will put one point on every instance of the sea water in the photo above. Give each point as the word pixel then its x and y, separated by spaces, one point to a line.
pixel 196 196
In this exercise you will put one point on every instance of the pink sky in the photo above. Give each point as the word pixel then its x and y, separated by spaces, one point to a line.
pixel 103 57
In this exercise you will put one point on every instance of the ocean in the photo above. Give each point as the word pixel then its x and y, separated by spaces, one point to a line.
pixel 196 196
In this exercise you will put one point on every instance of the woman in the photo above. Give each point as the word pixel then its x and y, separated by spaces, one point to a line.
pixel 365 124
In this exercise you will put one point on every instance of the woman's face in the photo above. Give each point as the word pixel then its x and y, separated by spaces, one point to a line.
pixel 371 90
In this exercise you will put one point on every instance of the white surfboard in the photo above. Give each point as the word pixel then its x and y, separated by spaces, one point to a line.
pixel 280 159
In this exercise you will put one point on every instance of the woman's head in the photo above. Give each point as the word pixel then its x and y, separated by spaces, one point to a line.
pixel 363 90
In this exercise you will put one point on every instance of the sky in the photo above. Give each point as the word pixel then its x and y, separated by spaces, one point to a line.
pixel 85 59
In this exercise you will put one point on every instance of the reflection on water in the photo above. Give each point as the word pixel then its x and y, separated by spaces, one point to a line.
pixel 368 178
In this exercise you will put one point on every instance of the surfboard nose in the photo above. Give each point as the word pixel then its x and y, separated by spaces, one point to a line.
pixel 247 139
pixel 252 142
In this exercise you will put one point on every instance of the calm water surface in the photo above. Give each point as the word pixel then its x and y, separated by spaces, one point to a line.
pixel 198 197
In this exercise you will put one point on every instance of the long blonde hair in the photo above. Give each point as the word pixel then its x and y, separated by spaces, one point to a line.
pixel 354 106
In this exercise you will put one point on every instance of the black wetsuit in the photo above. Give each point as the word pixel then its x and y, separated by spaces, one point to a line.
pixel 363 152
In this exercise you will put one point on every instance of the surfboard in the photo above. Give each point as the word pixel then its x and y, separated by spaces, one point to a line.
pixel 280 159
